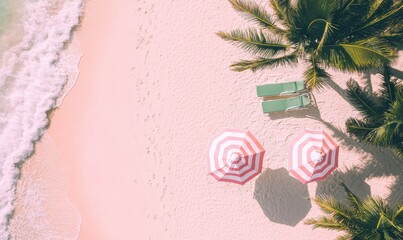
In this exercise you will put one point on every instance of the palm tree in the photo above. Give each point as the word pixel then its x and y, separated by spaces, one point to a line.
pixel 371 219
pixel 349 35
pixel 382 123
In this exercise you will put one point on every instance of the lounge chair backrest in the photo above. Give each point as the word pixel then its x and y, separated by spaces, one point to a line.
pixel 286 103
pixel 276 89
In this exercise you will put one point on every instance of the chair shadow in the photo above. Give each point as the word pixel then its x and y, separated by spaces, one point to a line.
pixel 282 198
pixel 309 112
pixel 354 180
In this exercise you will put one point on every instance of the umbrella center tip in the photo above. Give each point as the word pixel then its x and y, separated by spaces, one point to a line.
pixel 234 157
pixel 316 156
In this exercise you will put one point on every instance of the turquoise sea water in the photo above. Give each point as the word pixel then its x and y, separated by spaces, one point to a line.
pixel 4 12
pixel 33 72
pixel 11 28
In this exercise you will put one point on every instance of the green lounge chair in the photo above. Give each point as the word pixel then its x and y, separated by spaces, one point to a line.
pixel 275 89
pixel 286 104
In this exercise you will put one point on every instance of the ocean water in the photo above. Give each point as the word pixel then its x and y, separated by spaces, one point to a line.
pixel 34 70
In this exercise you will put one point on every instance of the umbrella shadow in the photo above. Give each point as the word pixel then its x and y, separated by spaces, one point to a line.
pixel 354 180
pixel 282 198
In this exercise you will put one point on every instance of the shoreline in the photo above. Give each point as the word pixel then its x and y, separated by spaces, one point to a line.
pixel 31 80
pixel 93 227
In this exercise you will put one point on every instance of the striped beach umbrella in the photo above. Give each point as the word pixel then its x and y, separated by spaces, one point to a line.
pixel 234 156
pixel 313 155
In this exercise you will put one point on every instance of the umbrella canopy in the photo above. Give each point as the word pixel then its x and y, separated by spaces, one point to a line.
pixel 313 155
pixel 234 156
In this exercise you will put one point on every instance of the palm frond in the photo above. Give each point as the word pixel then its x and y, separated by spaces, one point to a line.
pixel 394 34
pixel 359 129
pixel 255 41
pixel 315 76
pixel 365 102
pixel 337 57
pixel 367 54
pixel 384 222
pixel 344 237
pixel 390 133
pixel 388 91
pixel 395 112
pixel 376 8
pixel 368 219
pixel 307 21
pixel 281 7
pixel 333 208
pixel 398 216
pixel 325 222
pixel 379 23
pixel 261 63
pixel 385 135
pixel 255 13
pixel 326 32
pixel 371 53
pixel 345 6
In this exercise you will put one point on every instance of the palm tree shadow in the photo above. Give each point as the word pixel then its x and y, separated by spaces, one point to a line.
pixel 338 89
pixel 368 78
pixel 393 72
pixel 386 164
pixel 377 162
pixel 282 198
pixel 396 73
pixel 354 180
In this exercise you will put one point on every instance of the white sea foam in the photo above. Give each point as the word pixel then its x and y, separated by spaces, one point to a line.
pixel 32 75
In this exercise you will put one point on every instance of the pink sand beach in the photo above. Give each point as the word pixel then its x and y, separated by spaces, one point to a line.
pixel 154 86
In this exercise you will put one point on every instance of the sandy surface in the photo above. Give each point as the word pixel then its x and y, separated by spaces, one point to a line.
pixel 154 85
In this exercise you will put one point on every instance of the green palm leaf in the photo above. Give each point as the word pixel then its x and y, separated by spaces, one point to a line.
pixel 255 41
pixel 382 124
pixel 345 237
pixel 376 24
pixel 261 63
pixel 371 219
pixel 386 134
pixel 333 208
pixel 389 87
pixel 377 7
pixel 359 129
pixel 394 34
pixel 326 32
pixel 325 222
pixel 315 76
pixel 255 13
pixel 390 133
pixel 345 7
pixel 370 53
pixel 280 7
pixel 365 102
pixel 337 57
pixel 398 216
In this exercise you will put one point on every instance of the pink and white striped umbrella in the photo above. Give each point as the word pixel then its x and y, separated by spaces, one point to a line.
pixel 234 156
pixel 313 155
